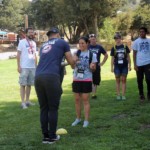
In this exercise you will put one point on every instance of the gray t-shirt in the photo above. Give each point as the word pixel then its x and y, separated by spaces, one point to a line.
pixel 142 47
pixel 82 70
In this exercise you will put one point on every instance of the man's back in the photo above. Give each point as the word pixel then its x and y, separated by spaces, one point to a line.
pixel 51 56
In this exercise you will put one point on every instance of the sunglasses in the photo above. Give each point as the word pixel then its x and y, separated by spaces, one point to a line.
pixel 92 35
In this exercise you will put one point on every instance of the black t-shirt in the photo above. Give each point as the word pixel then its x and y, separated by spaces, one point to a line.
pixel 120 54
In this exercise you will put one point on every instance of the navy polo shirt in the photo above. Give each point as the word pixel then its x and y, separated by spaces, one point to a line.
pixel 51 55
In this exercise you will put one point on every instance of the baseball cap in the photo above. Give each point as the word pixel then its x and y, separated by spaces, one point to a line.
pixel 52 30
pixel 117 36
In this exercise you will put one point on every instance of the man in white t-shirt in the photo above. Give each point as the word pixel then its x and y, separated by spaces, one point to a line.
pixel 141 58
pixel 26 62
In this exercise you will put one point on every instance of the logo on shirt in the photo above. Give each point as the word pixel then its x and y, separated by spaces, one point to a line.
pixel 94 50
pixel 46 48
pixel 84 63
pixel 144 47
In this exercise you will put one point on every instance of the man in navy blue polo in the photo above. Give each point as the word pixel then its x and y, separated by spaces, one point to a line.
pixel 47 82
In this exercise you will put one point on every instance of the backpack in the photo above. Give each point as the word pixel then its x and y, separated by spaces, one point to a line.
pixel 125 50
pixel 90 55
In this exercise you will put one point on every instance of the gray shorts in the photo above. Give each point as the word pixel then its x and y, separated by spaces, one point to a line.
pixel 27 76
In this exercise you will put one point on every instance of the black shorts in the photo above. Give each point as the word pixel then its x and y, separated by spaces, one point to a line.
pixel 81 87
pixel 96 76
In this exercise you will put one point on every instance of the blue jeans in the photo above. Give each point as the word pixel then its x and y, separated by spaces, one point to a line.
pixel 120 70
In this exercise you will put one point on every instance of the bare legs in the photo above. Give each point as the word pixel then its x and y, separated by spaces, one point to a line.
pixel 79 98
pixel 121 79
pixel 94 89
pixel 25 93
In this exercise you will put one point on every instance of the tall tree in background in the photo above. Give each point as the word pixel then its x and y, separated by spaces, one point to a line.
pixel 12 14
pixel 78 16
pixel 142 15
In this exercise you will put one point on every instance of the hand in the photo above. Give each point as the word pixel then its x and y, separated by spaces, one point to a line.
pixel 135 68
pixel 75 58
pixel 92 66
pixel 19 69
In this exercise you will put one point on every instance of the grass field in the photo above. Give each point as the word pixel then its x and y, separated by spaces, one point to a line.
pixel 114 125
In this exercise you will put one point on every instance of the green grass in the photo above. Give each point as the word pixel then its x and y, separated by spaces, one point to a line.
pixel 114 125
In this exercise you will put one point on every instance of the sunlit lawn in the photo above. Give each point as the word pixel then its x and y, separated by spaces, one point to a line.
pixel 114 125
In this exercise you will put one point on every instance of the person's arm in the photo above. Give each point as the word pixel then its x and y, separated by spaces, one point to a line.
pixel 112 63
pixel 104 59
pixel 18 61
pixel 35 60
pixel 93 63
pixel 129 61
pixel 70 59
pixel 134 60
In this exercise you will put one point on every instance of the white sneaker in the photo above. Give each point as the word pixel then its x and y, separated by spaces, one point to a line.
pixel 28 103
pixel 123 98
pixel 23 105
pixel 85 124
pixel 77 121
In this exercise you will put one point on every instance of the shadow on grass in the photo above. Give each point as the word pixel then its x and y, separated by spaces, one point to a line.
pixel 109 119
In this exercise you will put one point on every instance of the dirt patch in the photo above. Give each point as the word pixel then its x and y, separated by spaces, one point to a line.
pixel 7 48
pixel 144 127
pixel 119 116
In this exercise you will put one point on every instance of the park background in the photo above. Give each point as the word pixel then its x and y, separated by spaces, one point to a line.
pixel 123 125
pixel 114 125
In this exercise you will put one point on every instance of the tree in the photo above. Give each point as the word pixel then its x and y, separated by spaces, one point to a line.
pixel 78 16
pixel 108 30
pixel 123 22
pixel 141 16
pixel 12 14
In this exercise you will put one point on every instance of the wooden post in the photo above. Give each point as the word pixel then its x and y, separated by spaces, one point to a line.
pixel 26 21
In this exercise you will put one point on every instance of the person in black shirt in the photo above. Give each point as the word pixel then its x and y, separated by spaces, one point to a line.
pixel 120 64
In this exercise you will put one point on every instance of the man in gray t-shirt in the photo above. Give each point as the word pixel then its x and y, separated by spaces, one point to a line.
pixel 141 59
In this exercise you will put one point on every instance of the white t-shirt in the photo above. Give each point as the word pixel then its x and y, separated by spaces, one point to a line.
pixel 142 47
pixel 28 51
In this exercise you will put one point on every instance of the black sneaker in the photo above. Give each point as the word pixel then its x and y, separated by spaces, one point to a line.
pixel 142 98
pixel 50 141
pixel 148 97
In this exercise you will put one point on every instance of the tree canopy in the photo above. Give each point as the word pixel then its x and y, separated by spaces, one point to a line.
pixel 12 14
pixel 76 17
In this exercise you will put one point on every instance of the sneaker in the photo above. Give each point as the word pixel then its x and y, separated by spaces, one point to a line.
pixel 47 140
pixel 123 98
pixel 94 96
pixel 85 124
pixel 118 97
pixel 23 105
pixel 77 121
pixel 28 103
pixel 142 98
pixel 148 97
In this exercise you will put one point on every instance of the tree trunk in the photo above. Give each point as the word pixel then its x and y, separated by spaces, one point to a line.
pixel 96 24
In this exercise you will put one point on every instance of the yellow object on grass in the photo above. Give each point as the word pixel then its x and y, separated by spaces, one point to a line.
pixel 61 131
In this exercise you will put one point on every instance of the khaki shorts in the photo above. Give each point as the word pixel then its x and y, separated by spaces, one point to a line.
pixel 27 76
